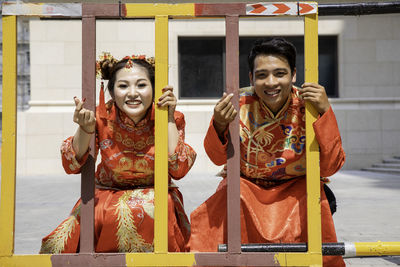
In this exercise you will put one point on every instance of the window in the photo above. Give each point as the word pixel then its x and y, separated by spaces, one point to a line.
pixel 202 64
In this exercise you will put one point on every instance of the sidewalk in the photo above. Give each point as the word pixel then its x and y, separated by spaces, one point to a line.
pixel 368 208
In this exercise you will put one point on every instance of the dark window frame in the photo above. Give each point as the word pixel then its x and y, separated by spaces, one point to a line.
pixel 328 51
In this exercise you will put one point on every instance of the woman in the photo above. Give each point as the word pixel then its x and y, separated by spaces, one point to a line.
pixel 124 131
pixel 272 154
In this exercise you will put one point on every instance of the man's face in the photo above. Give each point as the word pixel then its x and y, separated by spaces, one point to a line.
pixel 272 80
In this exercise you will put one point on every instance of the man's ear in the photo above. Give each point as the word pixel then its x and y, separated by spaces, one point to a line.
pixel 251 78
pixel 294 75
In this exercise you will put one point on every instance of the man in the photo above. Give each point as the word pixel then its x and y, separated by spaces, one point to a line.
pixel 273 168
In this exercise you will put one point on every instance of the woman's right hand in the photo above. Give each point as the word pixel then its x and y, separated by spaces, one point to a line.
pixel 224 113
pixel 84 117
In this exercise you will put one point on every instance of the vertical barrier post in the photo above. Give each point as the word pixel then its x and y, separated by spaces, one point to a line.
pixel 161 138
pixel 233 153
pixel 9 136
pixel 312 148
pixel 88 170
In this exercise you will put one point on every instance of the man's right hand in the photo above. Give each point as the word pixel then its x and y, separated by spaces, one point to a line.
pixel 224 113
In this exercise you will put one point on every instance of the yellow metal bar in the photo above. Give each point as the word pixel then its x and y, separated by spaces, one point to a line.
pixel 8 159
pixel 312 148
pixel 43 260
pixel 377 248
pixel 152 10
pixel 167 259
pixel 161 138
pixel 298 259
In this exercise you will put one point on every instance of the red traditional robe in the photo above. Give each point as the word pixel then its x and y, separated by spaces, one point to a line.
pixel 124 196
pixel 272 183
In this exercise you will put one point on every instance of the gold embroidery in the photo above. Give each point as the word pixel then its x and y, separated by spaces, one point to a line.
pixel 139 145
pixel 141 165
pixel 56 242
pixel 128 142
pixel 264 138
pixel 128 238
pixel 124 164
pixel 118 137
pixel 150 140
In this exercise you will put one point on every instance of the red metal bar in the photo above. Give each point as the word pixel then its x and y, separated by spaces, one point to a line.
pixel 220 9
pixel 98 259
pixel 104 10
pixel 88 170
pixel 232 86
pixel 243 259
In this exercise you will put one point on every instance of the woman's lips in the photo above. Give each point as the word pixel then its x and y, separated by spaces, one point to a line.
pixel 133 103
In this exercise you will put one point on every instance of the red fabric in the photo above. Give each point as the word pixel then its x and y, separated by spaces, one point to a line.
pixel 272 184
pixel 124 198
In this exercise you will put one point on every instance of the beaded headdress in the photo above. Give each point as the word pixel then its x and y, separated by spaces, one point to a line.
pixel 107 58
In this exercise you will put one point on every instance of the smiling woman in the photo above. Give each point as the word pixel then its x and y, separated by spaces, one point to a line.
pixel 124 132
pixel 133 92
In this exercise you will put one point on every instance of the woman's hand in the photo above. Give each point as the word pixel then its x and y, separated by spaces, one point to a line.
pixel 224 113
pixel 84 117
pixel 168 99
pixel 316 94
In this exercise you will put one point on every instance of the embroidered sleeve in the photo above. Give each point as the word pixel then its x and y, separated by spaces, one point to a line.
pixel 327 133
pixel 182 160
pixel 70 163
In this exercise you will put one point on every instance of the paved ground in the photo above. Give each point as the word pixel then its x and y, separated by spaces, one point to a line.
pixel 368 208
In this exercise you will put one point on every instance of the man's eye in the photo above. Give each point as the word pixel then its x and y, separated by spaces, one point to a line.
pixel 280 74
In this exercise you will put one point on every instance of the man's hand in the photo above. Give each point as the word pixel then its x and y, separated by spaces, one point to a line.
pixel 316 94
pixel 224 113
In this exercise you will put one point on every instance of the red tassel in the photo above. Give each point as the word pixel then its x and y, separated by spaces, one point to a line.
pixel 102 102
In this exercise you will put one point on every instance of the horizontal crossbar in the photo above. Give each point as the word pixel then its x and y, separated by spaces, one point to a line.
pixel 75 10
pixel 347 249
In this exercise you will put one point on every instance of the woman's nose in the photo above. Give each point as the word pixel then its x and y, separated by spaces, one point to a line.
pixel 132 91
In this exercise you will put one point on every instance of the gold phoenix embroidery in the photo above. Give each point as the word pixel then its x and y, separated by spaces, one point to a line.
pixel 56 243
pixel 128 238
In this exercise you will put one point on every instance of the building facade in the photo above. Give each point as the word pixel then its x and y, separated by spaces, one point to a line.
pixel 366 100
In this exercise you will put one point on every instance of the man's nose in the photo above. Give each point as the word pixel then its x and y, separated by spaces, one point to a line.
pixel 270 80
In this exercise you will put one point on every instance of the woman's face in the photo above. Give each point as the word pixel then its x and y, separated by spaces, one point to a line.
pixel 133 92
pixel 272 80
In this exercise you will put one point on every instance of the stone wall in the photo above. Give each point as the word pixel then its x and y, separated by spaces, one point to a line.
pixel 368 107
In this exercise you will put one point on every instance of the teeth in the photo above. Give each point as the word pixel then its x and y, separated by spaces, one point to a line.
pixel 133 102
pixel 272 92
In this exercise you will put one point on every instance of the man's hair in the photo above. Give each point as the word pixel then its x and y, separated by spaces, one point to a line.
pixel 274 46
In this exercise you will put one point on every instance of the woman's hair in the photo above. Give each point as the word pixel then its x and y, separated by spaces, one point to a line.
pixel 274 46
pixel 109 68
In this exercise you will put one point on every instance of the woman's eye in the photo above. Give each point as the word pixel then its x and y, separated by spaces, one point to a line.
pixel 123 86
pixel 141 85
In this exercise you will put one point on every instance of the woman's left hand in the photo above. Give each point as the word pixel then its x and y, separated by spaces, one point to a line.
pixel 168 99
pixel 316 94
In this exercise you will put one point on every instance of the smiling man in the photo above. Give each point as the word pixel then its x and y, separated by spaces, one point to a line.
pixel 272 155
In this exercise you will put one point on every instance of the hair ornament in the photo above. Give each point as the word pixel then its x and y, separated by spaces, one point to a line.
pixel 102 70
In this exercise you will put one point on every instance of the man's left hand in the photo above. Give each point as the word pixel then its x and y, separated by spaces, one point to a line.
pixel 316 94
